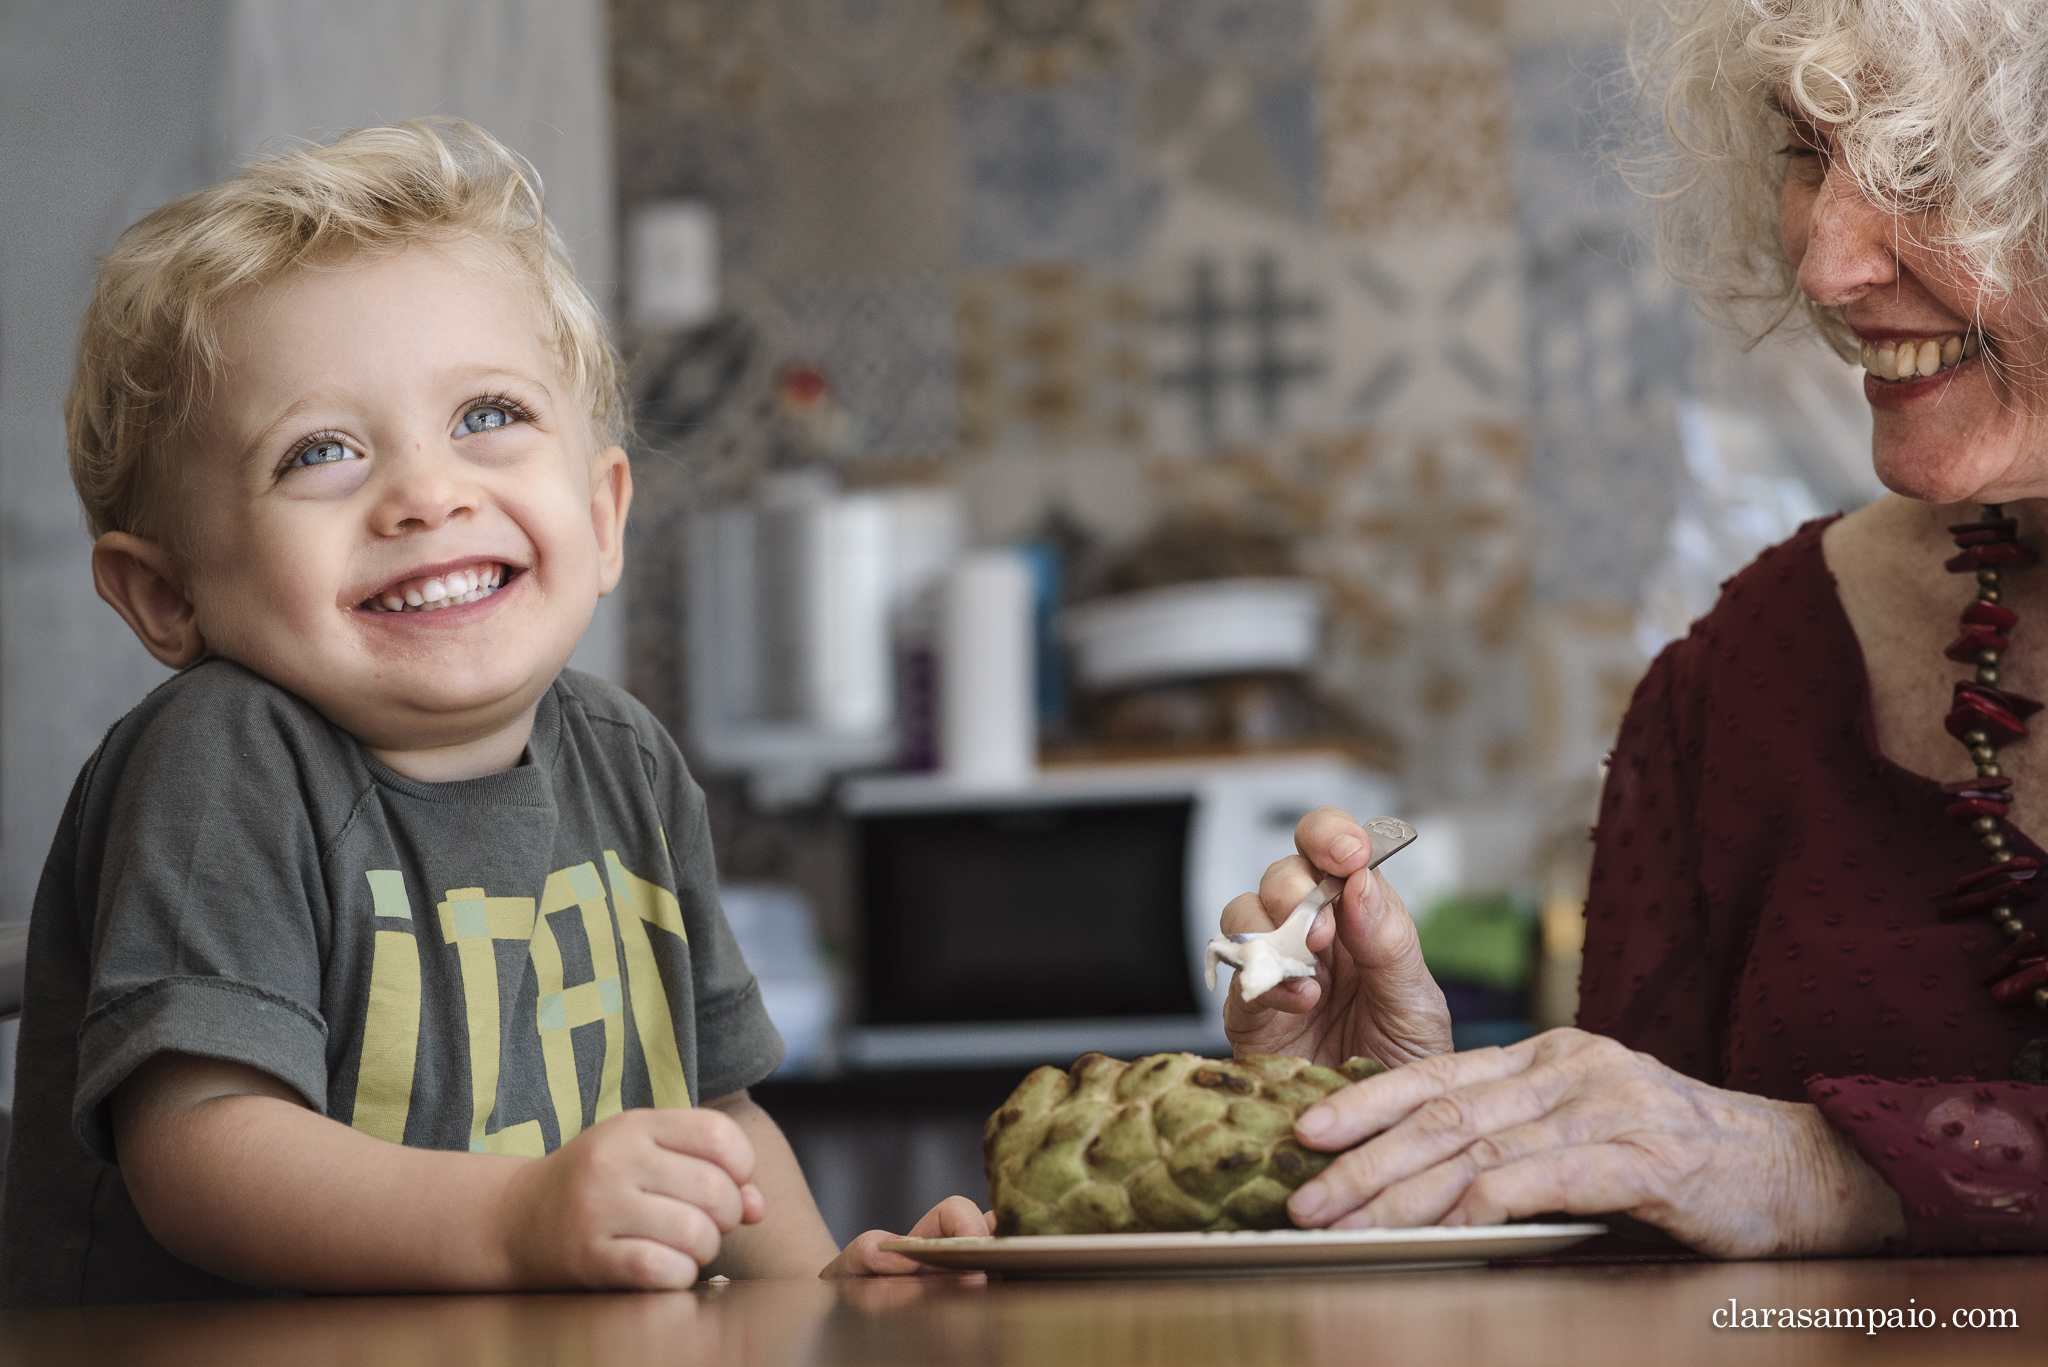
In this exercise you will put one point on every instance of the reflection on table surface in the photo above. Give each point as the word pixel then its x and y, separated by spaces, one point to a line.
pixel 1533 1314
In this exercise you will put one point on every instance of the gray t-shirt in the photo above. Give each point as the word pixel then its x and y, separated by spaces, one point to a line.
pixel 493 964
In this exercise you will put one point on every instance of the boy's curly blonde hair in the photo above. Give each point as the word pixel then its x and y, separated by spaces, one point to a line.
pixel 1939 109
pixel 148 344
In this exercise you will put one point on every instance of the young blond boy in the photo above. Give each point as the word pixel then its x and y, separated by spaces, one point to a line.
pixel 375 951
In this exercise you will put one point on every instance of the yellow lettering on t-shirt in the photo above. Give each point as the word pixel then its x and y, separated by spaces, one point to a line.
pixel 640 901
pixel 391 1021
pixel 471 921
pixel 561 1007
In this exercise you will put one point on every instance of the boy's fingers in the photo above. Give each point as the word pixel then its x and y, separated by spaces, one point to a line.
pixel 956 1217
pixel 753 1205
pixel 872 1260
pixel 961 1218
pixel 648 1265
pixel 679 1225
pixel 683 1180
pixel 703 1133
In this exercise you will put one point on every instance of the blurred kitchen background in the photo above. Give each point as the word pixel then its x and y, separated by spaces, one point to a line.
pixel 1076 437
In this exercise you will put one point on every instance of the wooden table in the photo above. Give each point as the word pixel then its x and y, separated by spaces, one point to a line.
pixel 1634 1313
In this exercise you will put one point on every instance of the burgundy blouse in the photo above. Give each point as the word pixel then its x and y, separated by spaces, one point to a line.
pixel 1762 911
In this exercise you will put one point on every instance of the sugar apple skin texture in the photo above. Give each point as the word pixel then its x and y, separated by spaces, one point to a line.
pixel 1166 1142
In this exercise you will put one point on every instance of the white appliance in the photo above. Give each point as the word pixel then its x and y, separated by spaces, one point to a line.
pixel 793 599
pixel 1069 914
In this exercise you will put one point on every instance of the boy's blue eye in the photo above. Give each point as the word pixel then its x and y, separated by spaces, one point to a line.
pixel 485 417
pixel 323 452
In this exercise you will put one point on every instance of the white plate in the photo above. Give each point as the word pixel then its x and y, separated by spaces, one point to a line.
pixel 1260 1250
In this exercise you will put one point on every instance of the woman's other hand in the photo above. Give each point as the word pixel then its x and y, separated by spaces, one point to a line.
pixel 1371 994
pixel 1574 1122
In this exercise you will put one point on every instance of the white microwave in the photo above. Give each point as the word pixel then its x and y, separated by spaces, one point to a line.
pixel 1031 925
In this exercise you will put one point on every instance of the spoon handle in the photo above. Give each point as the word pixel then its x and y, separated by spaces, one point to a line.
pixel 1390 835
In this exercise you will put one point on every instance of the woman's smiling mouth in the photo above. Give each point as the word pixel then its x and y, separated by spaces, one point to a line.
pixel 1896 361
pixel 446 589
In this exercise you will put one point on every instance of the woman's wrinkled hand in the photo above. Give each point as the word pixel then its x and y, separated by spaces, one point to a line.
pixel 1371 994
pixel 1578 1123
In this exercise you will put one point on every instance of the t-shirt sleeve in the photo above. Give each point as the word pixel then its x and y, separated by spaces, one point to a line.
pixel 737 1045
pixel 1649 960
pixel 205 937
pixel 1969 1160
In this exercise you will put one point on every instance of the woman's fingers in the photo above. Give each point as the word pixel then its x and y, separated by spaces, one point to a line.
pixel 1452 1132
pixel 1333 841
pixel 1426 1194
pixel 1464 1132
pixel 1363 1109
pixel 1284 884
pixel 1246 914
pixel 1589 1179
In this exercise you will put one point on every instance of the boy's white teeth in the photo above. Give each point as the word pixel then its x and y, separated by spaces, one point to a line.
pixel 442 590
pixel 1907 360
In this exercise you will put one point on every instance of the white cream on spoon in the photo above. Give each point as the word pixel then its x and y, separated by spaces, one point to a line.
pixel 1262 960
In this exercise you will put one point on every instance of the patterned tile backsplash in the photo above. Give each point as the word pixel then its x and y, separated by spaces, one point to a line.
pixel 1348 272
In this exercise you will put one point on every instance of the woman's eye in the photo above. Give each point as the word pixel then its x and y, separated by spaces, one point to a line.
pixel 485 417
pixel 323 452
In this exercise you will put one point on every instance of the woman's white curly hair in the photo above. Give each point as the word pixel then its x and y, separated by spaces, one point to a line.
pixel 1939 110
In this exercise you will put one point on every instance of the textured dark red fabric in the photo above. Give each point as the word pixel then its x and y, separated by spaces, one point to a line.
pixel 1761 913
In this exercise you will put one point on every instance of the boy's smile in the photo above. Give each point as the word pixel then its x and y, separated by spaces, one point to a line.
pixel 392 505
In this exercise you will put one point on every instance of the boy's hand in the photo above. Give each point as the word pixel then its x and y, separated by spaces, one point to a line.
pixel 639 1200
pixel 954 1217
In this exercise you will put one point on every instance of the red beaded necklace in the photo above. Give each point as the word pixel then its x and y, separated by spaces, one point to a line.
pixel 1984 717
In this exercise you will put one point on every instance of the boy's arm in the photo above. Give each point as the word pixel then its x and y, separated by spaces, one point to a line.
pixel 232 1172
pixel 791 1240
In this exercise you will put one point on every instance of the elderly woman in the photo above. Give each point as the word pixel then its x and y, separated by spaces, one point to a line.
pixel 1813 1007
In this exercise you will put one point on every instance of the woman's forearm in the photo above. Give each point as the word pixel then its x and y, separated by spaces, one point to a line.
pixel 1855 1210
pixel 1967 1161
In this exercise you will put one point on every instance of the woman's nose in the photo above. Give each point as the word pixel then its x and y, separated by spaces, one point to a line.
pixel 423 488
pixel 1842 245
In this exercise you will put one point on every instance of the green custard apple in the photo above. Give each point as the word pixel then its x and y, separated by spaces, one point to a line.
pixel 1167 1142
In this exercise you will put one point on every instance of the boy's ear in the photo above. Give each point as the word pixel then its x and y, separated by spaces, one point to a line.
pixel 140 581
pixel 611 495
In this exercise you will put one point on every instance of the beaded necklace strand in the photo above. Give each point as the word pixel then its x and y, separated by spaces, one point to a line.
pixel 1984 717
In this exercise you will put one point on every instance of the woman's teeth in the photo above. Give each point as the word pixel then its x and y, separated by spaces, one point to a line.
pixel 441 590
pixel 1910 360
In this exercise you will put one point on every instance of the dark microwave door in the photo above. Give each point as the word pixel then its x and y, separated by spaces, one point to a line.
pixel 1025 914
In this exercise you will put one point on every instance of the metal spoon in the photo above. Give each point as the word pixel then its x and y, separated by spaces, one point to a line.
pixel 1263 958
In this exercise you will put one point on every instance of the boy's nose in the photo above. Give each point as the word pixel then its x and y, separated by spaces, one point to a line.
pixel 422 489
pixel 1843 245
